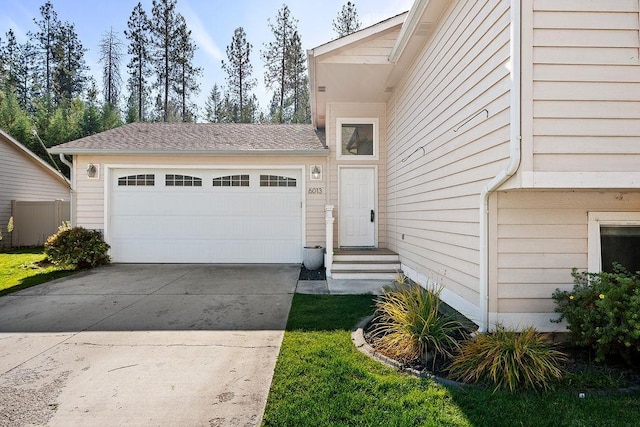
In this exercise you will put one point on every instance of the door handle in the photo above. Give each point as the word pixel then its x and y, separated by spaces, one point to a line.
pixel 373 215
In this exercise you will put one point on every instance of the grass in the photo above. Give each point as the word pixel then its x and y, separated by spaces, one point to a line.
pixel 322 380
pixel 19 270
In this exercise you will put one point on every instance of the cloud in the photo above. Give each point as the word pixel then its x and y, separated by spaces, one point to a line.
pixel 200 34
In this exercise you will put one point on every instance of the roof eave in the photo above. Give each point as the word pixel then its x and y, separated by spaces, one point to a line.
pixel 120 152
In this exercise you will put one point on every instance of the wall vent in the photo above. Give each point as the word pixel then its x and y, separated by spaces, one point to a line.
pixel 322 88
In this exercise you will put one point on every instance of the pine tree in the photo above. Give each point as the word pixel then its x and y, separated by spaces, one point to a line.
pixel 27 88
pixel 69 73
pixel 276 56
pixel 111 58
pixel 347 21
pixel 11 60
pixel 164 31
pixel 46 38
pixel 138 34
pixel 301 113
pixel 213 105
pixel 238 68
pixel 184 73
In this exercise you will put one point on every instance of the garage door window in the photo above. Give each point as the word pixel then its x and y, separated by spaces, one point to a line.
pixel 137 180
pixel 182 181
pixel 231 181
pixel 276 181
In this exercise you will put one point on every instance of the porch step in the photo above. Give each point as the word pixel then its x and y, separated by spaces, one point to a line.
pixel 364 274
pixel 375 264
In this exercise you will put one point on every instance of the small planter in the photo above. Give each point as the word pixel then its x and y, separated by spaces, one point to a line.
pixel 313 257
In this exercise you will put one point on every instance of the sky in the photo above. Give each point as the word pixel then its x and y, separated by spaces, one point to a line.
pixel 212 23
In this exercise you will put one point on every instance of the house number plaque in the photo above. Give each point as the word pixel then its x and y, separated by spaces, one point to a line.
pixel 315 190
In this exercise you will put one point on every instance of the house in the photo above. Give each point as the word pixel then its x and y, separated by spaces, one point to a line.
pixel 38 189
pixel 489 146
pixel 509 141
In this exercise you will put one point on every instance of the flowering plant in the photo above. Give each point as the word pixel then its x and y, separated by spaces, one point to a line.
pixel 603 312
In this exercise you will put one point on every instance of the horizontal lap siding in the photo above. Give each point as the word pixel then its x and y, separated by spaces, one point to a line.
pixel 433 196
pixel 541 237
pixel 585 85
pixel 21 178
pixel 90 192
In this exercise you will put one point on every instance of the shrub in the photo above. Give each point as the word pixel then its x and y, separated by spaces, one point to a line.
pixel 603 312
pixel 506 359
pixel 78 247
pixel 411 326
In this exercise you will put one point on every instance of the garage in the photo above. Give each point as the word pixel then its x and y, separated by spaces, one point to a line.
pixel 205 215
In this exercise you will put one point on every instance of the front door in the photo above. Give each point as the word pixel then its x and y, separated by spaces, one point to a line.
pixel 357 208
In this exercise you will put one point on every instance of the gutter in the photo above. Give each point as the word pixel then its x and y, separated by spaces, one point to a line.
pixel 72 189
pixel 514 160
pixel 89 152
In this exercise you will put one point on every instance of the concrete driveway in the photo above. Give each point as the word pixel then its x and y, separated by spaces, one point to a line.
pixel 144 345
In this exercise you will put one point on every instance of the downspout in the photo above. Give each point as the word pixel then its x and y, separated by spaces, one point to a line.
pixel 64 160
pixel 514 160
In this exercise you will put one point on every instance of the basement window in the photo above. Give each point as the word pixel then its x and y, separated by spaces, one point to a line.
pixel 137 180
pixel 614 237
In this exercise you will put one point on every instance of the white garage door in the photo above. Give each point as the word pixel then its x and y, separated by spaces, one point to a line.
pixel 204 216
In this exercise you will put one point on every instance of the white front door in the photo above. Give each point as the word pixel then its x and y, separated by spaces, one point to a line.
pixel 357 207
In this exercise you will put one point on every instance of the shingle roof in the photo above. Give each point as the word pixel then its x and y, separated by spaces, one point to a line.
pixel 163 138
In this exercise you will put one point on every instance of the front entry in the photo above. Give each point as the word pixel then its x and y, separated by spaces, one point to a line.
pixel 357 207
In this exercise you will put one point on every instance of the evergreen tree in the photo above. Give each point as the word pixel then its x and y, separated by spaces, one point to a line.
pixel 213 105
pixel 184 73
pixel 111 58
pixel 164 32
pixel 27 88
pixel 238 68
pixel 69 74
pixel 347 21
pixel 45 39
pixel 138 34
pixel 91 122
pixel 277 56
pixel 11 60
pixel 299 82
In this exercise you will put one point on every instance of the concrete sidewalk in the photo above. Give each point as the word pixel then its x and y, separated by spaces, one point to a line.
pixel 341 287
pixel 144 345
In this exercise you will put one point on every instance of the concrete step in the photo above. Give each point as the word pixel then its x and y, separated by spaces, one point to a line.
pixel 366 257
pixel 366 265
pixel 364 274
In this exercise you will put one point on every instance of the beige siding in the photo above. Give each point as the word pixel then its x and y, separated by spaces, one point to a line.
pixel 23 178
pixel 434 191
pixel 581 95
pixel 541 236
pixel 374 51
pixel 90 200
pixel 337 111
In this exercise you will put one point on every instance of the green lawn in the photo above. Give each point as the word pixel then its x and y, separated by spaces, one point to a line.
pixel 18 270
pixel 322 380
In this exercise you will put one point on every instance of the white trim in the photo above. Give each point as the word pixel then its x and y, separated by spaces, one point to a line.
pixel 375 200
pixel 581 179
pixel 466 308
pixel 358 121
pixel 596 219
pixel 108 168
pixel 541 321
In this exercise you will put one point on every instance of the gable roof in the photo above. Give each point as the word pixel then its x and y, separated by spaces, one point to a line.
pixel 37 161
pixel 201 138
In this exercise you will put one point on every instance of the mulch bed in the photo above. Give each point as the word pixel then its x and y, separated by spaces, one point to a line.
pixel 319 274
pixel 579 361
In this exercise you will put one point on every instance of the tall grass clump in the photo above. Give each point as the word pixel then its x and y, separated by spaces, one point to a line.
pixel 509 360
pixel 411 327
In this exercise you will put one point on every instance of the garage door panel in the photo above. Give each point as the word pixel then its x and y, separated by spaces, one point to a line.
pixel 205 224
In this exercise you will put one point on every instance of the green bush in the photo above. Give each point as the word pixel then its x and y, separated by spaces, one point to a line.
pixel 77 247
pixel 510 360
pixel 411 326
pixel 603 312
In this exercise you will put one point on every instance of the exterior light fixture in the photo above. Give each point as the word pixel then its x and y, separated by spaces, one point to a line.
pixel 92 170
pixel 316 173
